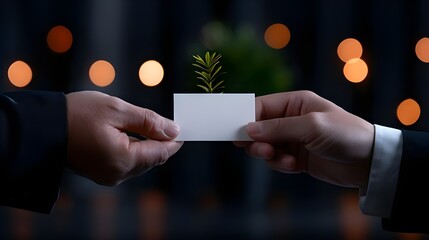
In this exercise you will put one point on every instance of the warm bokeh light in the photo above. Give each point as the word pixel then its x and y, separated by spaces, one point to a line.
pixel 422 49
pixel 277 36
pixel 153 208
pixel 411 236
pixel 151 73
pixel 20 74
pixel 102 73
pixel 408 112
pixel 59 39
pixel 354 225
pixel 355 70
pixel 348 49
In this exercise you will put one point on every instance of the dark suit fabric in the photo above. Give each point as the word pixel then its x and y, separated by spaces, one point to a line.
pixel 410 212
pixel 33 139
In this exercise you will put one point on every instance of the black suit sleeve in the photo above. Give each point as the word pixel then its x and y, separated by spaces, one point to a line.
pixel 410 212
pixel 33 139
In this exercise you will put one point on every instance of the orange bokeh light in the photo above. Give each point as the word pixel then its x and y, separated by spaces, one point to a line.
pixel 59 39
pixel 411 236
pixel 277 36
pixel 408 112
pixel 151 73
pixel 355 70
pixel 20 74
pixel 102 73
pixel 422 50
pixel 348 49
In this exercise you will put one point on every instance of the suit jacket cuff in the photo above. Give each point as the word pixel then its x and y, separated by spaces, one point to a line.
pixel 36 139
pixel 410 209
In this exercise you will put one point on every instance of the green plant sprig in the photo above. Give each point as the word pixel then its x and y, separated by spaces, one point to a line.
pixel 209 72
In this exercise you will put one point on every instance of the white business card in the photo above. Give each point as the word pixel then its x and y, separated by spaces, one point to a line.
pixel 214 117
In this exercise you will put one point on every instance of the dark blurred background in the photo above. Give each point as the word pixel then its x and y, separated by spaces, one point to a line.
pixel 212 190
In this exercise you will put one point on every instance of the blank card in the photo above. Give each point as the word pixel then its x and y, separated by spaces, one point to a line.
pixel 213 117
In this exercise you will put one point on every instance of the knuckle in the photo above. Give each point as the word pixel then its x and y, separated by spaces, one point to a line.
pixel 317 122
pixel 150 116
pixel 308 94
pixel 116 104
pixel 276 126
pixel 151 120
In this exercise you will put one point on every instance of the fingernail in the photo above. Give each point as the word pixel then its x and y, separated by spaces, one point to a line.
pixel 172 130
pixel 254 128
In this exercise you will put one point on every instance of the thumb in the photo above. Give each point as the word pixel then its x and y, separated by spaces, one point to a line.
pixel 277 130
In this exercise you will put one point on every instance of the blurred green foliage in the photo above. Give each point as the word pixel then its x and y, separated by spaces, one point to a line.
pixel 250 65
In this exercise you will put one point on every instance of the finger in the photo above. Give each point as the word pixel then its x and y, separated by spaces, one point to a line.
pixel 147 123
pixel 260 150
pixel 284 163
pixel 150 153
pixel 287 104
pixel 280 130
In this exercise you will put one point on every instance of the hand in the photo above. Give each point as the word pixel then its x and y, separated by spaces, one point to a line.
pixel 302 132
pixel 99 147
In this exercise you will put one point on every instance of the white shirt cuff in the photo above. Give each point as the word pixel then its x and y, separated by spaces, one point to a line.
pixel 384 173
